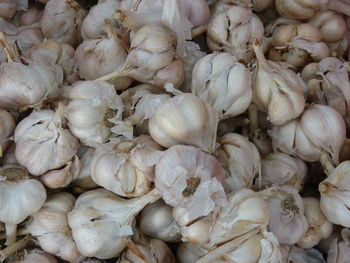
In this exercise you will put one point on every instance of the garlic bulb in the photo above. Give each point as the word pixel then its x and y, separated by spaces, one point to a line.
pixel 20 197
pixel 38 256
pixel 43 142
pixel 157 221
pixel 339 250
pixel 302 137
pixel 126 167
pixel 101 221
pixel 7 127
pixel 62 21
pixel 189 178
pixel 241 159
pixel 276 90
pixel 280 169
pixel 28 37
pixel 184 119
pixel 234 30
pixel 287 220
pixel 50 227
pixel 83 179
pixel 89 113
pixel 152 251
pixel 319 226
pixel 29 17
pixel 294 254
pixel 305 9
pixel 223 82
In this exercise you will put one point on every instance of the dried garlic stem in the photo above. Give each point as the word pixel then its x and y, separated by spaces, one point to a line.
pixel 11 233
pixel 198 30
pixel 11 54
pixel 339 6
pixel 13 248
pixel 326 163
pixel 114 75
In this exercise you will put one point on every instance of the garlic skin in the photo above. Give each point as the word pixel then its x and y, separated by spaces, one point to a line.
pixel 280 169
pixel 83 179
pixel 38 256
pixel 339 249
pixel 184 119
pixel 276 90
pixel 295 254
pixel 157 221
pixel 188 178
pixel 43 142
pixel 234 30
pixel 223 82
pixel 92 107
pixel 8 8
pixel 50 227
pixel 304 139
pixel 28 37
pixel 319 227
pixel 126 167
pixel 101 221
pixel 287 220
pixel 241 159
pixel 30 16
pixel 7 127
pixel 62 21
pixel 20 197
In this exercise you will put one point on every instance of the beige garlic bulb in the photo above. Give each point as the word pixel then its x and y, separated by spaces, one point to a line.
pixel 7 127
pixel 235 30
pixel 62 21
pixel 223 82
pixel 188 178
pixel 157 221
pixel 319 227
pixel 339 249
pixel 43 142
pixel 90 112
pixel 184 119
pixel 287 219
pixel 50 226
pixel 241 159
pixel 276 90
pixel 38 256
pixel 302 137
pixel 280 169
pixel 83 179
pixel 20 197
pixel 126 167
pixel 101 221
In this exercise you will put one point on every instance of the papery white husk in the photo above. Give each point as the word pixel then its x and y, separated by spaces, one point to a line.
pixel 7 127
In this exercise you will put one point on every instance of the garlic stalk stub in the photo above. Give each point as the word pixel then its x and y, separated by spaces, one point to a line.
pixel 7 127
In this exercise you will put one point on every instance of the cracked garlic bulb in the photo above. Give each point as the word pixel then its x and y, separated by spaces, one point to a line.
pixel 276 90
pixel 91 109
pixel 50 227
pixel 287 219
pixel 235 30
pixel 126 167
pixel 43 142
pixel 339 251
pixel 62 21
pixel 223 82
pixel 101 221
pixel 241 159
pixel 7 127
pixel 184 119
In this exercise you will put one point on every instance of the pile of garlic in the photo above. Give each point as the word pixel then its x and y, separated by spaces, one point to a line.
pixel 174 131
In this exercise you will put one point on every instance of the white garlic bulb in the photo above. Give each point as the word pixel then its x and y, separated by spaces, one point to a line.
pixel 62 21
pixel 234 30
pixel 184 119
pixel 241 159
pixel 157 221
pixel 339 249
pixel 276 90
pixel 188 178
pixel 93 104
pixel 83 179
pixel 38 256
pixel 319 227
pixel 7 127
pixel 101 221
pixel 20 197
pixel 50 227
pixel 281 168
pixel 287 220
pixel 126 167
pixel 223 82
pixel 43 142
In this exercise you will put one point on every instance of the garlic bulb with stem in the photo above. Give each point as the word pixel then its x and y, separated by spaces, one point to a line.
pixel 43 142
pixel 83 179
pixel 276 90
pixel 7 127
pixel 241 159
pixel 20 195
pixel 157 221
pixel 223 82
pixel 101 221
pixel 126 167
pixel 50 226
pixel 235 30
pixel 339 249
pixel 319 227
